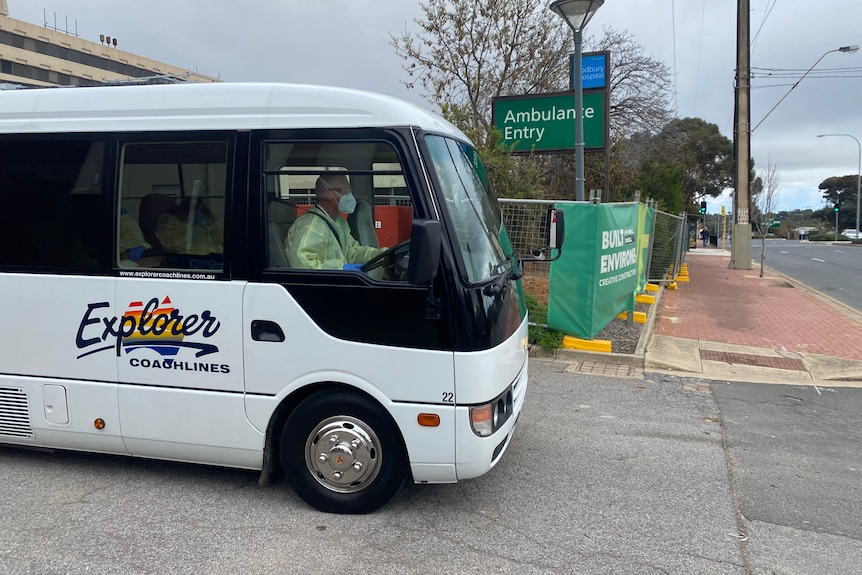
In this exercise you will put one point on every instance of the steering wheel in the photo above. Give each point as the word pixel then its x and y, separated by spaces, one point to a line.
pixel 394 260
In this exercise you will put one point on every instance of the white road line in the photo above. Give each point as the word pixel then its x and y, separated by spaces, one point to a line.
pixel 784 252
pixel 819 260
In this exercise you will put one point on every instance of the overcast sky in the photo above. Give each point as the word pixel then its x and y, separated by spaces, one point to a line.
pixel 346 43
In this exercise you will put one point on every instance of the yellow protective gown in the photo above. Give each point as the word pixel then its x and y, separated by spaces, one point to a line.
pixel 311 245
pixel 173 235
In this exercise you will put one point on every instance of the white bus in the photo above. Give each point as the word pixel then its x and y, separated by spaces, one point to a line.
pixel 151 311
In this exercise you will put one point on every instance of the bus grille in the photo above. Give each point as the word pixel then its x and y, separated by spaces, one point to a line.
pixel 14 413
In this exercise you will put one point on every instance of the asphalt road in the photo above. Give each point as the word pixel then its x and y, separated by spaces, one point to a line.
pixel 832 269
pixel 796 458
pixel 604 475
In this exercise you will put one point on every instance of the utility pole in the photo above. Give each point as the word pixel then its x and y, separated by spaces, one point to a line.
pixel 740 242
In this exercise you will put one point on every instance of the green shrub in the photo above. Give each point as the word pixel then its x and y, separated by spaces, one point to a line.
pixel 546 338
pixel 823 237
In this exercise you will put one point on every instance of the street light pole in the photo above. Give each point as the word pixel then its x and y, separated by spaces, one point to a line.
pixel 580 179
pixel 845 49
pixel 740 244
pixel 577 13
pixel 837 209
pixel 858 175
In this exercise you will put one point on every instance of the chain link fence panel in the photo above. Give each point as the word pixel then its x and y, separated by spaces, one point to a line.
pixel 526 222
pixel 668 246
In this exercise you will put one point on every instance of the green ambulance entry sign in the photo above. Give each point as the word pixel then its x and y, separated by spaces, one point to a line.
pixel 546 122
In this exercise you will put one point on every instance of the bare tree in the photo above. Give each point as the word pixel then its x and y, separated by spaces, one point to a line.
pixel 766 195
pixel 641 86
pixel 470 51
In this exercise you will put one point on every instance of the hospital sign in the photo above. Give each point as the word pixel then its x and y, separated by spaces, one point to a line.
pixel 594 70
pixel 546 122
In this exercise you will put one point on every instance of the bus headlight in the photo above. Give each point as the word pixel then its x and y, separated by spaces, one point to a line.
pixel 481 420
pixel 487 418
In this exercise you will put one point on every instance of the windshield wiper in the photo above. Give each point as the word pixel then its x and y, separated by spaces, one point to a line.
pixel 506 272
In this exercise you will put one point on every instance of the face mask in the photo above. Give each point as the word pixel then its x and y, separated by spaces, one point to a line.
pixel 347 203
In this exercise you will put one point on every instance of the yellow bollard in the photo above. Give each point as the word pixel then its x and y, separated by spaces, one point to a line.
pixel 602 345
pixel 645 298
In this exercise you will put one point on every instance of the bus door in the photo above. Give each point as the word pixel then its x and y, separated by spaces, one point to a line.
pixel 343 311
pixel 179 348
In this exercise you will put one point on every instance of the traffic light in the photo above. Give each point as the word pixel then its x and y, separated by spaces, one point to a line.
pixel 836 208
pixel 702 208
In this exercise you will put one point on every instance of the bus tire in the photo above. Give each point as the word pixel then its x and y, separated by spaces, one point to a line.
pixel 342 453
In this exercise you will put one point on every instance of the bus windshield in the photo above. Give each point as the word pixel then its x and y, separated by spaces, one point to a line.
pixel 472 208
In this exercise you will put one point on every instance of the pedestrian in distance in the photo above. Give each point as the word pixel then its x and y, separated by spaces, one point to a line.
pixel 704 235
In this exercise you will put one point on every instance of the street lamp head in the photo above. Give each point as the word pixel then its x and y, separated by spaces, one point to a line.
pixel 848 135
pixel 849 49
pixel 576 13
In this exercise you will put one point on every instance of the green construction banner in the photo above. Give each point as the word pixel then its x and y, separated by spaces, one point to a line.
pixel 646 221
pixel 598 272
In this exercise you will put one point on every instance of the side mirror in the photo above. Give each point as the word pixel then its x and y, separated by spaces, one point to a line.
pixel 426 240
pixel 555 232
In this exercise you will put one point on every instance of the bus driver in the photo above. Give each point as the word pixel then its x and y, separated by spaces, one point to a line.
pixel 320 239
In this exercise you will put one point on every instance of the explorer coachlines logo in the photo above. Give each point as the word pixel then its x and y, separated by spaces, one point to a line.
pixel 157 326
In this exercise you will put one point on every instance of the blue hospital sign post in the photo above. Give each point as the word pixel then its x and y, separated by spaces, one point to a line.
pixel 594 70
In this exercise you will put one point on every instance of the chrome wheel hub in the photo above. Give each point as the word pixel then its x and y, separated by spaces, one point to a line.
pixel 343 454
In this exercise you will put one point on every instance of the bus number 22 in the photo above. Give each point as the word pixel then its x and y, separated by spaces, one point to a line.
pixel 448 397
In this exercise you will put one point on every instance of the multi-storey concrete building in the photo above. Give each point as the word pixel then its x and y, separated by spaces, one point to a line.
pixel 33 55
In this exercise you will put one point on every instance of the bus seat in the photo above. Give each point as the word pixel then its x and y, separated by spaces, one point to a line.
pixel 361 223
pixel 152 207
pixel 280 215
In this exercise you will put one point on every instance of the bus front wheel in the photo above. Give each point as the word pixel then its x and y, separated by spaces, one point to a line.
pixel 342 453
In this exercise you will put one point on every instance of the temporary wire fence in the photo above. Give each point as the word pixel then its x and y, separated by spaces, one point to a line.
pixel 667 247
pixel 526 223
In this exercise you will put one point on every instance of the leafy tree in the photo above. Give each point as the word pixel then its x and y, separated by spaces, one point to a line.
pixel 703 153
pixel 840 189
pixel 701 156
pixel 662 181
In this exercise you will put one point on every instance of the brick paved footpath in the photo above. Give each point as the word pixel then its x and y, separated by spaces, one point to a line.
pixel 739 307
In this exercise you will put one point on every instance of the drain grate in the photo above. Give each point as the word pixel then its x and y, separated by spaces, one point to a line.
pixel 755 360
pixel 599 368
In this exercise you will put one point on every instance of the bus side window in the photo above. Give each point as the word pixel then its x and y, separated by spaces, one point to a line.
pixel 322 234
pixel 172 205
pixel 52 204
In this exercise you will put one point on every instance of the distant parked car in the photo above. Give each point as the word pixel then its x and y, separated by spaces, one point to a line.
pixel 851 234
